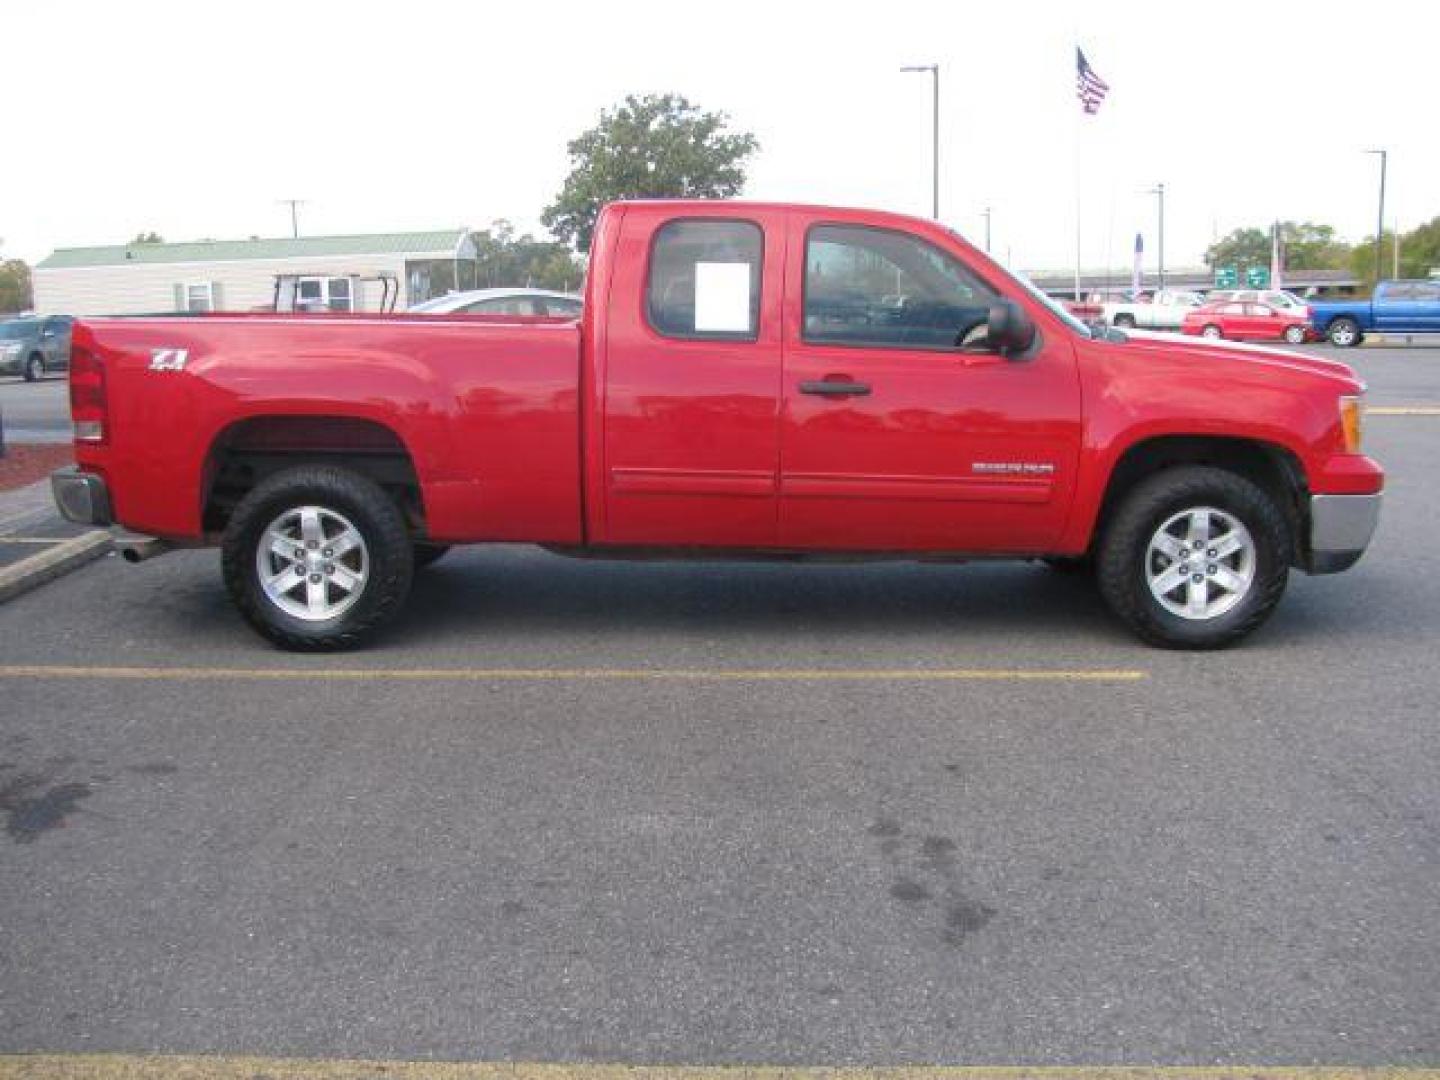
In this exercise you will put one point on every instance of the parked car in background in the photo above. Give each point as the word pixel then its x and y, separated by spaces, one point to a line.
pixel 1246 322
pixel 503 302
pixel 1165 310
pixel 1279 299
pixel 1397 307
pixel 33 347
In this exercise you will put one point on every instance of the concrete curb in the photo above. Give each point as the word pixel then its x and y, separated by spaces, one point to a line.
pixel 54 562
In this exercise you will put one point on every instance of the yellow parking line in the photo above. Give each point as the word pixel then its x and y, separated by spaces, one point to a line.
pixel 1402 410
pixel 291 674
pixel 152 1067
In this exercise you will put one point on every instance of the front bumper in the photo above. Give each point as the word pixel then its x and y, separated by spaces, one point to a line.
pixel 82 497
pixel 1340 529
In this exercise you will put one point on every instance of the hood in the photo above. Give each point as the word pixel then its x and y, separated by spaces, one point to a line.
pixel 1210 350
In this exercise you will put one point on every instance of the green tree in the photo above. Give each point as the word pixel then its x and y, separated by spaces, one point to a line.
pixel 1307 246
pixel 1419 254
pixel 507 259
pixel 15 291
pixel 148 238
pixel 656 146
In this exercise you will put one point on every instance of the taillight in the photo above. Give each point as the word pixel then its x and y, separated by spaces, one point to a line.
pixel 87 395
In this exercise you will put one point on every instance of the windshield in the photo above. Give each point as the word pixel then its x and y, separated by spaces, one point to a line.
pixel 1054 305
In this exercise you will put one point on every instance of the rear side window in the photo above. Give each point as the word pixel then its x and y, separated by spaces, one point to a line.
pixel 705 280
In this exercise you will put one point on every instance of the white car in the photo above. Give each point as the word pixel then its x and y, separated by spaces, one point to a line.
pixel 1166 310
pixel 503 302
pixel 1283 301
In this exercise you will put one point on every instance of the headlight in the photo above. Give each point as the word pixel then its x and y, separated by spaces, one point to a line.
pixel 1352 416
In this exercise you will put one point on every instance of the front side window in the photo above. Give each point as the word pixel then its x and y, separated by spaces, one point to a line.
pixel 562 308
pixel 705 280
pixel 867 286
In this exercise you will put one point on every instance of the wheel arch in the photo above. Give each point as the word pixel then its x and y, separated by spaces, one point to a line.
pixel 248 450
pixel 1274 468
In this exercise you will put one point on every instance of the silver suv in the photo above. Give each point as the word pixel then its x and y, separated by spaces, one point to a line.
pixel 34 346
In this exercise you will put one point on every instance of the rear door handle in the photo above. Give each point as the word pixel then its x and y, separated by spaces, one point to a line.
pixel 835 387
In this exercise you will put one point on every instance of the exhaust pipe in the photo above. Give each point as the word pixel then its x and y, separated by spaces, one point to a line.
pixel 136 549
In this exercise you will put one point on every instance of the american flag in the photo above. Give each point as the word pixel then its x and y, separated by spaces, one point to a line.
pixel 1091 88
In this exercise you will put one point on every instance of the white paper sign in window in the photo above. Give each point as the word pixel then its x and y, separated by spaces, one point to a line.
pixel 722 297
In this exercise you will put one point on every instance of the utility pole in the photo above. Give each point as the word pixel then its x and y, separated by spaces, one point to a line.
pixel 934 70
pixel 1159 190
pixel 987 230
pixel 1380 223
pixel 294 217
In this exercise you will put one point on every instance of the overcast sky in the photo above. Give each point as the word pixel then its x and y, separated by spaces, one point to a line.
pixel 194 119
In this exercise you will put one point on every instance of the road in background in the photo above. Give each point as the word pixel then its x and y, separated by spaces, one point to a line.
pixel 715 813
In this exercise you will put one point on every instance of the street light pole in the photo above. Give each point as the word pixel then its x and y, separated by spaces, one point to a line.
pixel 1159 190
pixel 1380 225
pixel 987 230
pixel 934 70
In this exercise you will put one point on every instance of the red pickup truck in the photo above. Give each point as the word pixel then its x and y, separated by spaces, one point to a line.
pixel 745 379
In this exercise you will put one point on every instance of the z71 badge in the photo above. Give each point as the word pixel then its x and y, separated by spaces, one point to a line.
pixel 168 359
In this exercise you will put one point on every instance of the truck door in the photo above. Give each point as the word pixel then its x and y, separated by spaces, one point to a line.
pixel 895 438
pixel 691 377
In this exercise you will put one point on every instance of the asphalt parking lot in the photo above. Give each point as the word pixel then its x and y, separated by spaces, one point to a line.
pixel 708 814
pixel 35 412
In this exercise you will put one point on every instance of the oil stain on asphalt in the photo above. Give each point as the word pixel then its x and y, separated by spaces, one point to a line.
pixel 36 802
pixel 928 877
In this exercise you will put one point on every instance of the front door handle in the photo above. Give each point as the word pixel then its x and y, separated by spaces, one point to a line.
pixel 833 387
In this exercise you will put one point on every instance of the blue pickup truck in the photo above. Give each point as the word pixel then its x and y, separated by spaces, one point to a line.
pixel 1398 307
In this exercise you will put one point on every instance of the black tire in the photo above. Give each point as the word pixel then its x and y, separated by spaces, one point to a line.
pixel 1125 544
pixel 34 368
pixel 426 554
pixel 1344 332
pixel 1125 322
pixel 373 514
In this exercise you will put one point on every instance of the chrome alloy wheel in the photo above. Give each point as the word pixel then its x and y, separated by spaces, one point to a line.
pixel 1200 563
pixel 312 563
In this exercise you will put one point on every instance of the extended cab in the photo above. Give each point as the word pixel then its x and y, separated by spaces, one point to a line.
pixel 1397 307
pixel 744 379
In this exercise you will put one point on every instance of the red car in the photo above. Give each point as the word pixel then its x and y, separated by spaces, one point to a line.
pixel 1246 322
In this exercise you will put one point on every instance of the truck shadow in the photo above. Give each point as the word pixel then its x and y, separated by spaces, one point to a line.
pixel 515 589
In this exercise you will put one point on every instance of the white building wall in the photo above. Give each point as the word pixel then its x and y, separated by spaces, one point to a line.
pixel 242 285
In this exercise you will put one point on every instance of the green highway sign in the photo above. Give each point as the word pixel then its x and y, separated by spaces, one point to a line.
pixel 1257 277
pixel 1226 277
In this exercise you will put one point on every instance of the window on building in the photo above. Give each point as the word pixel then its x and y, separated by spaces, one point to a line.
pixel 200 297
pixel 324 294
pixel 705 280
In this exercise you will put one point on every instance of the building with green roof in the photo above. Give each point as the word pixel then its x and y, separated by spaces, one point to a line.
pixel 362 272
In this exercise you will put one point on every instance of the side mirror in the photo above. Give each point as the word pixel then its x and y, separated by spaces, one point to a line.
pixel 1010 329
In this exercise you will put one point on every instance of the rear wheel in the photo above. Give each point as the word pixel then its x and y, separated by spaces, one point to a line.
pixel 1125 322
pixel 1195 558
pixel 1345 333
pixel 1212 331
pixel 1295 335
pixel 317 558
pixel 35 368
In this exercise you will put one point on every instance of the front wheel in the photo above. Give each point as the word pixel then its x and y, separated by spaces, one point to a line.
pixel 1345 333
pixel 1212 331
pixel 1125 322
pixel 317 558
pixel 1195 558
pixel 34 369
